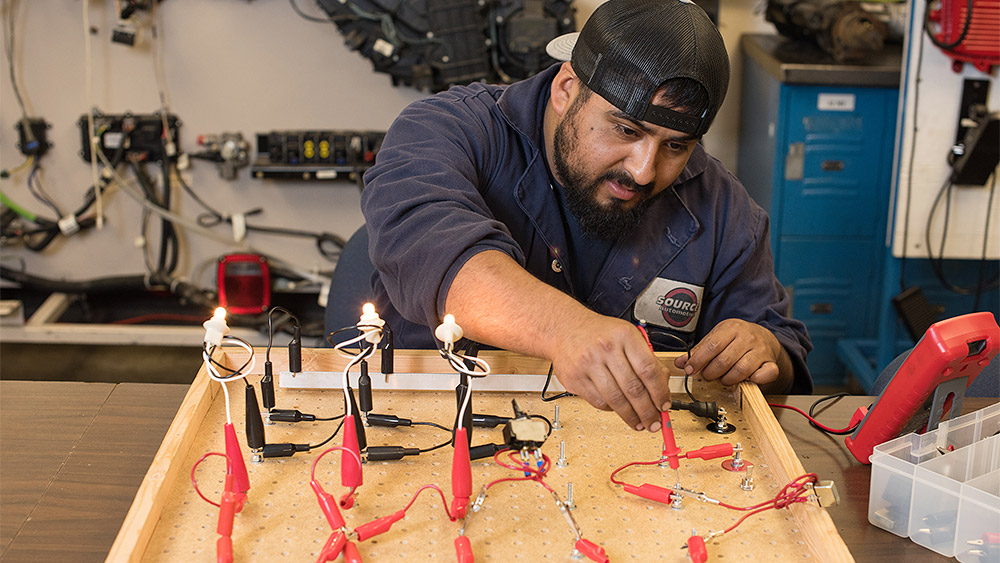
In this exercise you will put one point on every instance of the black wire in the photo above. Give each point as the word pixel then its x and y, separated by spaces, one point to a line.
pixel 937 264
pixel 306 16
pixel 324 442
pixel 986 238
pixel 432 448
pixel 961 36
pixel 338 417
pixel 548 378
pixel 270 330
pixel 434 424
pixel 821 400
pixel 547 421
pixel 213 217
pixel 687 348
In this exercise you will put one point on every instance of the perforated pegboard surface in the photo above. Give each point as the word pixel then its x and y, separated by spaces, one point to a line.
pixel 519 520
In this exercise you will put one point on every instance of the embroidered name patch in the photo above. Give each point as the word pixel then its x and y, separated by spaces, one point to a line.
pixel 670 304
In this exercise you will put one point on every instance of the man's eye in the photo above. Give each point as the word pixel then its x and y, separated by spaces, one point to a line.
pixel 627 131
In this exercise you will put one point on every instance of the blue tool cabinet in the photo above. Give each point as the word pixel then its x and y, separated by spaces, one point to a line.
pixel 816 150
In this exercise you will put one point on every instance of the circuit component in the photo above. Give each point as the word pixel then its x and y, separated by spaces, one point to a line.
pixel 315 154
pixel 140 136
pixel 524 432
pixel 31 136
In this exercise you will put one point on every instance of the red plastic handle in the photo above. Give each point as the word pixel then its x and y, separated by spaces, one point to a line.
pixel 697 550
pixel 651 492
pixel 224 550
pixel 351 553
pixel 463 550
pixel 380 526
pixel 593 551
pixel 328 505
pixel 334 545
pixel 350 469
pixel 711 452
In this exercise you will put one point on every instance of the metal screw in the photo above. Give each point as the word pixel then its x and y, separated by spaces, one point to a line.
pixel 569 497
pixel 678 502
pixel 561 462
pixel 555 420
pixel 737 458
pixel 747 482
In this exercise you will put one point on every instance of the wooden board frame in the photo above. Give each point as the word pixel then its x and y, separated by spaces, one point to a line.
pixel 821 536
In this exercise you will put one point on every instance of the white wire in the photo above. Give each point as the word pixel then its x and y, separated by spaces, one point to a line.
pixel 89 88
pixel 216 376
pixel 457 362
pixel 365 353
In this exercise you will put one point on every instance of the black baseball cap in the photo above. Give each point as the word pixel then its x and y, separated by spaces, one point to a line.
pixel 629 48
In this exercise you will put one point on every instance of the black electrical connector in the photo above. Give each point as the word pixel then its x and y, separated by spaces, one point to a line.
pixel 295 349
pixel 284 450
pixel 290 415
pixel 460 390
pixel 488 420
pixel 364 389
pixel 359 424
pixel 32 139
pixel 254 422
pixel 389 453
pixel 267 386
pixel 698 408
pixel 387 351
pixel 485 450
pixel 387 420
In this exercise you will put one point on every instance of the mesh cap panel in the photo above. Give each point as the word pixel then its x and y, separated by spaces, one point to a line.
pixel 629 48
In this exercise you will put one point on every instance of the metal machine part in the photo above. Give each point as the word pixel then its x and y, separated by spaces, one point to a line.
pixel 431 45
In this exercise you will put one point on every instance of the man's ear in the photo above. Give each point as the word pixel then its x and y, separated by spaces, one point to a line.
pixel 565 87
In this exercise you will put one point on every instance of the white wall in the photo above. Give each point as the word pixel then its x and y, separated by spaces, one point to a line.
pixel 932 95
pixel 229 65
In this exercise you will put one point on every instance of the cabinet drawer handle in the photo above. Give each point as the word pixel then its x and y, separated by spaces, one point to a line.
pixel 832 165
pixel 821 308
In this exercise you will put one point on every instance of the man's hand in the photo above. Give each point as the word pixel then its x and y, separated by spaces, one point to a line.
pixel 737 350
pixel 603 359
pixel 608 362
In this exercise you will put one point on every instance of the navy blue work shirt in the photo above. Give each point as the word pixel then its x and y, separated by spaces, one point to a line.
pixel 462 172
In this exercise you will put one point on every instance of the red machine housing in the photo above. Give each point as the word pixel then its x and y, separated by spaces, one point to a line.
pixel 981 45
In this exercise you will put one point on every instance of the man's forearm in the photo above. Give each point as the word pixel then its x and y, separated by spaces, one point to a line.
pixel 497 302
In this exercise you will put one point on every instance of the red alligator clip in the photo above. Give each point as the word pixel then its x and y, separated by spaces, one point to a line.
pixel 593 551
pixel 697 550
pixel 463 550
pixel 232 503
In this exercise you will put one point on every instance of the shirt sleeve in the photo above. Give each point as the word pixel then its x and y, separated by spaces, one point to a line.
pixel 421 201
pixel 744 285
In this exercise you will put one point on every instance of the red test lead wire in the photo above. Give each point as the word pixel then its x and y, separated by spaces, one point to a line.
pixel 670 449
pixel 350 464
pixel 235 465
pixel 461 475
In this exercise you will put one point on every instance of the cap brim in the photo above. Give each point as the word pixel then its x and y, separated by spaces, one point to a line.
pixel 561 48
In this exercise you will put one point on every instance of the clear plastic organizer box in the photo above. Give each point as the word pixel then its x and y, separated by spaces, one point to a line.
pixel 942 489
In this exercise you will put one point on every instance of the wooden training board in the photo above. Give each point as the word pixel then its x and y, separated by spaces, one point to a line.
pixel 519 520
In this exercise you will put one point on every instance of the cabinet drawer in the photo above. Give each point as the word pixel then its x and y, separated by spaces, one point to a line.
pixel 833 283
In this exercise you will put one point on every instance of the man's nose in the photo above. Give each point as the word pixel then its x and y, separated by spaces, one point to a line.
pixel 641 162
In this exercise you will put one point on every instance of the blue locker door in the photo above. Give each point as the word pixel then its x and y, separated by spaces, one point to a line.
pixel 837 143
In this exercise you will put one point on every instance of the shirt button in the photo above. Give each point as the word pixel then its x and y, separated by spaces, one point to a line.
pixel 556 266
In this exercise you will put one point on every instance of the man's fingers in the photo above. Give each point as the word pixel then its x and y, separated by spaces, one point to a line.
pixel 655 379
pixel 617 398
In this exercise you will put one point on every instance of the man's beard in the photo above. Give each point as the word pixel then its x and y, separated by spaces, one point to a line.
pixel 609 221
